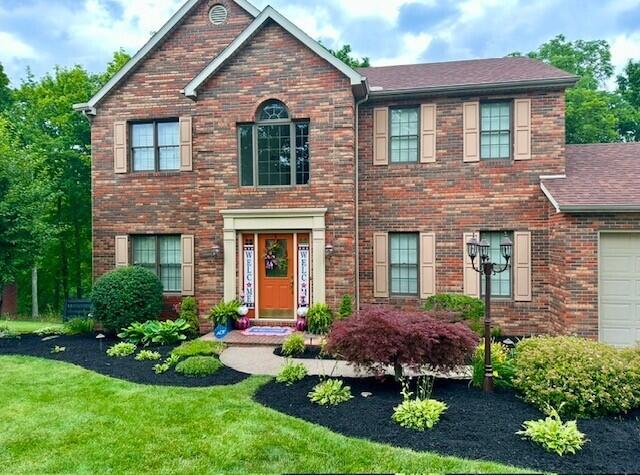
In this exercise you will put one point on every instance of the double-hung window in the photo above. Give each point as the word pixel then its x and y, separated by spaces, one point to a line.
pixel 274 151
pixel 403 263
pixel 155 146
pixel 162 256
pixel 404 134
pixel 495 130
pixel 501 284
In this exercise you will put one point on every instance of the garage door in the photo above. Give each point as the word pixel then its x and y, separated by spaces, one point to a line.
pixel 620 288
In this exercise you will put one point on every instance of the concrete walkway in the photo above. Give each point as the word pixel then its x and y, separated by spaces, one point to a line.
pixel 260 360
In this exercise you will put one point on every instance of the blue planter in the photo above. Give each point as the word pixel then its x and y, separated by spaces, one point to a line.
pixel 220 331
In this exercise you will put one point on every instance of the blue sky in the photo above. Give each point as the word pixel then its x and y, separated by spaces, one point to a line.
pixel 44 33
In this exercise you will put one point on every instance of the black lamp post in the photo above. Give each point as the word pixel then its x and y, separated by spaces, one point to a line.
pixel 488 268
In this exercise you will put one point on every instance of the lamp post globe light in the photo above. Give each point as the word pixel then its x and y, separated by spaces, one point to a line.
pixel 486 268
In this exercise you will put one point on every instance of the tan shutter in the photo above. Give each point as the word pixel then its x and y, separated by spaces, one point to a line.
pixel 186 144
pixel 188 265
pixel 427 265
pixel 471 133
pixel 122 251
pixel 428 139
pixel 522 133
pixel 120 147
pixel 381 136
pixel 522 266
pixel 471 279
pixel 380 265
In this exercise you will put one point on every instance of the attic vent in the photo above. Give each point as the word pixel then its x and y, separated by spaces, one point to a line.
pixel 218 14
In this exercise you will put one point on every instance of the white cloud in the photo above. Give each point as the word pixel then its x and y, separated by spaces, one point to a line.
pixel 413 47
pixel 13 48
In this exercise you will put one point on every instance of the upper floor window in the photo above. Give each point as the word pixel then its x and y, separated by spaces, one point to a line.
pixel 501 284
pixel 274 151
pixel 495 130
pixel 162 256
pixel 155 146
pixel 403 263
pixel 404 135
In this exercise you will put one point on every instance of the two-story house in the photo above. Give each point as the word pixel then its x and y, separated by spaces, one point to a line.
pixel 237 158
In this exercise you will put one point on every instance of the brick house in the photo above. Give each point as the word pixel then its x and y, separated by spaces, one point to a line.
pixel 396 168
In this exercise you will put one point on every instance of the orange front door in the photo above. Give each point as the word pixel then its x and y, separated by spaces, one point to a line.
pixel 275 276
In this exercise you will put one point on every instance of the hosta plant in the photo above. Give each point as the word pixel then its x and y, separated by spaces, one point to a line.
pixel 291 373
pixel 153 331
pixel 147 355
pixel 330 392
pixel 418 414
pixel 161 368
pixel 58 349
pixel 293 345
pixel 121 350
pixel 553 434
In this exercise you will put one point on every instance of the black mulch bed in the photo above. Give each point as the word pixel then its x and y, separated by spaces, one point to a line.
pixel 310 352
pixel 85 351
pixel 475 426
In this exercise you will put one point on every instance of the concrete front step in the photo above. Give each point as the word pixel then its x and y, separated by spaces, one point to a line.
pixel 236 338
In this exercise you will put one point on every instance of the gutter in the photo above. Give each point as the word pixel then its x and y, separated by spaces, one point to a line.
pixel 357 192
pixel 601 208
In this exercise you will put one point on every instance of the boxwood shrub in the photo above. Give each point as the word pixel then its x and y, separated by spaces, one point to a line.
pixel 126 295
pixel 199 366
pixel 582 378
pixel 471 309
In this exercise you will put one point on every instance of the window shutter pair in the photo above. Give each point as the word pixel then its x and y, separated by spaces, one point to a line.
pixel 427 134
pixel 427 265
pixel 521 133
pixel 188 259
pixel 121 147
pixel 521 264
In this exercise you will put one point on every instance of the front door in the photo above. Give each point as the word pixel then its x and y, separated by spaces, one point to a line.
pixel 275 263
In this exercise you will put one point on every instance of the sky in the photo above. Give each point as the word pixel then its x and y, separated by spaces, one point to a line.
pixel 41 34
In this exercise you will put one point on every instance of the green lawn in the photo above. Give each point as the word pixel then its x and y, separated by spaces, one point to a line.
pixel 19 326
pixel 60 418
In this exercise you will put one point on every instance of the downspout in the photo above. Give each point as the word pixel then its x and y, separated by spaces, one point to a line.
pixel 357 185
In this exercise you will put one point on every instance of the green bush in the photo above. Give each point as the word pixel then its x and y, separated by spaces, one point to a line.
pixel 153 331
pixel 291 373
pixel 221 313
pixel 189 313
pixel 126 295
pixel 470 308
pixel 198 366
pixel 58 349
pixel 121 350
pixel 418 414
pixel 198 348
pixel 79 326
pixel 346 307
pixel 48 331
pixel 6 332
pixel 147 355
pixel 319 319
pixel 293 345
pixel 502 361
pixel 553 434
pixel 582 378
pixel 161 368
pixel 330 392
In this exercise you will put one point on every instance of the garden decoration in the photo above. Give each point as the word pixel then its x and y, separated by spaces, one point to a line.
pixel 488 268
pixel 301 321
pixel 100 337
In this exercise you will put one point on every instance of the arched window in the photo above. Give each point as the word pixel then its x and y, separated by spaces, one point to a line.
pixel 274 151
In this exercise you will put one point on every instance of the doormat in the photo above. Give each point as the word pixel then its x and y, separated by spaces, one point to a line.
pixel 268 331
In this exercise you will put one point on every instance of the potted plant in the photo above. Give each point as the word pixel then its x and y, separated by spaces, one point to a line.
pixel 223 316
pixel 301 322
pixel 243 322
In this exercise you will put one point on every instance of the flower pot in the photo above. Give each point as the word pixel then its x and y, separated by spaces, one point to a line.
pixel 243 323
pixel 301 324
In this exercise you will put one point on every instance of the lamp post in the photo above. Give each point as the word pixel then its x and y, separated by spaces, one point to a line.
pixel 488 268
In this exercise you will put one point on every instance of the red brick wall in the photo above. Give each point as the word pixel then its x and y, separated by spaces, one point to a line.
pixel 273 65
pixel 450 197
pixel 574 251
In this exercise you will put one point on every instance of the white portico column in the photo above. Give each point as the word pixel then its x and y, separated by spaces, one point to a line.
pixel 318 293
pixel 230 257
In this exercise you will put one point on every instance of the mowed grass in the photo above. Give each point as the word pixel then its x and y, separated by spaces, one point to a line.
pixel 21 326
pixel 60 418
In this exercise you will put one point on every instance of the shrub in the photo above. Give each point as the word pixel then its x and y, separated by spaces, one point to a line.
pixel 553 434
pixel 381 336
pixel 6 332
pixel 126 295
pixel 153 331
pixel 330 392
pixel 418 414
pixel 502 361
pixel 221 313
pixel 293 345
pixel 121 350
pixel 346 307
pixel 189 313
pixel 147 355
pixel 48 331
pixel 319 319
pixel 161 368
pixel 582 378
pixel 79 326
pixel 471 309
pixel 198 348
pixel 198 366
pixel 291 373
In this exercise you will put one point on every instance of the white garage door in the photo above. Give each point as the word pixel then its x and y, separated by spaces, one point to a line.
pixel 620 288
